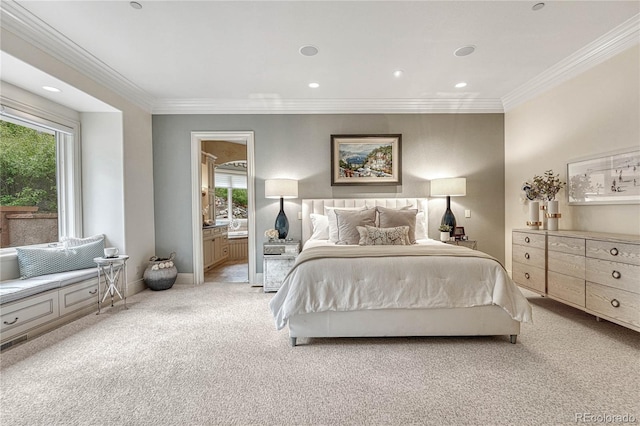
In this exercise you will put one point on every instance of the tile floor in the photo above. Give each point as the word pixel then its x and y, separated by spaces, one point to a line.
pixel 232 271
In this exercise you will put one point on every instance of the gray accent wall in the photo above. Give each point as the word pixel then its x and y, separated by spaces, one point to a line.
pixel 299 146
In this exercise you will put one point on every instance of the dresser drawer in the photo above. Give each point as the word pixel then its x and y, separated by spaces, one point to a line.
pixel 615 252
pixel 24 315
pixel 529 276
pixel 567 264
pixel 568 245
pixel 528 240
pixel 567 288
pixel 529 256
pixel 78 296
pixel 614 303
pixel 614 274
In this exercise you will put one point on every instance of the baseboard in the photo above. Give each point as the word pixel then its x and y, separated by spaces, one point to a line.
pixel 259 280
pixel 134 287
pixel 184 278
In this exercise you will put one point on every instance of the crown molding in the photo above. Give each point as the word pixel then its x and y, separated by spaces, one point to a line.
pixel 30 28
pixel 615 41
pixel 327 106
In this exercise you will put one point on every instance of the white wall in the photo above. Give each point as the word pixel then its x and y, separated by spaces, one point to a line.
pixel 121 141
pixel 595 112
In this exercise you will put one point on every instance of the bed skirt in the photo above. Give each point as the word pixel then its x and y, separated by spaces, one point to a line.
pixel 475 321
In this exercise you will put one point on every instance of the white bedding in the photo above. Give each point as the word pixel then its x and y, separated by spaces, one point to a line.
pixel 393 282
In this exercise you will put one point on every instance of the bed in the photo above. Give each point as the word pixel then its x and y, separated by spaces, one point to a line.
pixel 406 285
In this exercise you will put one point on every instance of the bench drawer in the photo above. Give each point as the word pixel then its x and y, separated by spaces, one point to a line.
pixel 78 296
pixel 21 316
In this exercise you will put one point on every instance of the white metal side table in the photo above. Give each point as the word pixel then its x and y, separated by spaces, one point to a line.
pixel 111 268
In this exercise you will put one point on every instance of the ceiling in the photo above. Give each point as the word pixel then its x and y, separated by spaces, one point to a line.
pixel 243 56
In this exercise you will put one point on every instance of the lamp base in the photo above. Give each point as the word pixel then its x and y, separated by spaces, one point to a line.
pixel 282 223
pixel 448 218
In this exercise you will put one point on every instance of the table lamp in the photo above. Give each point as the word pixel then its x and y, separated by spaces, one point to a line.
pixel 281 188
pixel 449 187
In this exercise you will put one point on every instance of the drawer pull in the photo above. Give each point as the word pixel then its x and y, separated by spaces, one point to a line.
pixel 93 291
pixel 615 303
pixel 527 240
pixel 526 275
pixel 613 251
pixel 526 256
pixel 12 322
pixel 616 275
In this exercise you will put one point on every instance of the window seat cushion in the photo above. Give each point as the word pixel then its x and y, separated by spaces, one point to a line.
pixel 17 289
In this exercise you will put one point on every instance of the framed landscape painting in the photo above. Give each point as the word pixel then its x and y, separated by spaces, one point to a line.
pixel 605 179
pixel 366 160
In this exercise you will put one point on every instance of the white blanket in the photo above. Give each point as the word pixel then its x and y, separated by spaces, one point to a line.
pixel 388 281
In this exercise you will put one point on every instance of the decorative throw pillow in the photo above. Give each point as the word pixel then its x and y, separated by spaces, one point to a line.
pixel 36 261
pixel 348 220
pixel 74 242
pixel 390 218
pixel 372 236
pixel 320 227
pixel 421 228
pixel 330 212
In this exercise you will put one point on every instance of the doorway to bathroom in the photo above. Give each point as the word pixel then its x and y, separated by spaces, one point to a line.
pixel 224 211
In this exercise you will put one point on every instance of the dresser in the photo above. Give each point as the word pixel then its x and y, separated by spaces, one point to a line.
pixel 596 272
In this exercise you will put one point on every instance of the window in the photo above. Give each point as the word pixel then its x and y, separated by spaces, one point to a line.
pixel 231 199
pixel 39 180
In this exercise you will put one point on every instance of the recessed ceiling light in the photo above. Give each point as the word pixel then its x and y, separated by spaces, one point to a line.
pixel 398 73
pixel 461 85
pixel 464 50
pixel 314 85
pixel 537 6
pixel 135 5
pixel 308 50
pixel 51 89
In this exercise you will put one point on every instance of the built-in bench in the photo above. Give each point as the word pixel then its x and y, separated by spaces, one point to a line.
pixel 31 306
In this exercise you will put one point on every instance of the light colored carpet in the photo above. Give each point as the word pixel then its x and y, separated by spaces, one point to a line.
pixel 210 355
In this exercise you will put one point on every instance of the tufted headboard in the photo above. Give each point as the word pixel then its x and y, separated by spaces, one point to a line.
pixel 317 206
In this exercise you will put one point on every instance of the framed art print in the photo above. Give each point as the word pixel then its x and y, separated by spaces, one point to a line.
pixel 605 179
pixel 366 160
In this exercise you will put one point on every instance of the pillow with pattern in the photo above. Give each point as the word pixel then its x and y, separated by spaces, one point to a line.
pixel 372 236
pixel 36 261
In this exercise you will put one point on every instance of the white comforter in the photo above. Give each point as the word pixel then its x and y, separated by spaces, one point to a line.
pixel 392 282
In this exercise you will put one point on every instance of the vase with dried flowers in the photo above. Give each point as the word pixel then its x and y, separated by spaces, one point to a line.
pixel 543 188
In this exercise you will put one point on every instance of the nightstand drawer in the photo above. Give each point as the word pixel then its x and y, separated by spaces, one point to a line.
pixel 276 268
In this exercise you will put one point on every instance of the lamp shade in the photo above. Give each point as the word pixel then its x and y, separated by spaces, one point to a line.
pixel 281 188
pixel 449 187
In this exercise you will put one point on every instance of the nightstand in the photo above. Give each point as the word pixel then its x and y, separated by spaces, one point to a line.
pixel 278 258
pixel 472 244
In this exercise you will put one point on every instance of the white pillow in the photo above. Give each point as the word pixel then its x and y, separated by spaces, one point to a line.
pixel 421 229
pixel 75 242
pixel 320 227
pixel 330 212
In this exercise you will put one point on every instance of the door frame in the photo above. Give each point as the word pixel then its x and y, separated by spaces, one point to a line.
pixel 246 138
